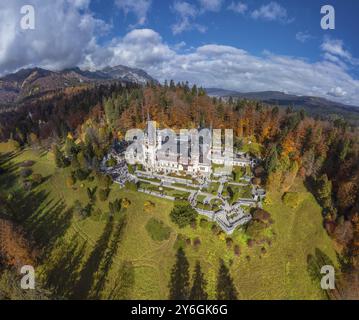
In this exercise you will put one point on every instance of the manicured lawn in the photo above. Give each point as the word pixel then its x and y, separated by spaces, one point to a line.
pixel 83 253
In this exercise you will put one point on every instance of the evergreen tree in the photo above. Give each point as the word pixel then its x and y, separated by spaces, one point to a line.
pixel 324 191
pixel 70 147
pixel 59 157
pixel 183 214
pixel 198 291
pixel 179 283
pixel 225 287
pixel 271 160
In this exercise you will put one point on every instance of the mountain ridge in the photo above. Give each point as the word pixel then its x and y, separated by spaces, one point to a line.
pixel 271 96
pixel 27 82
pixel 314 106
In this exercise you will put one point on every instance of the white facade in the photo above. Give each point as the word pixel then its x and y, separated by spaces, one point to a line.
pixel 159 156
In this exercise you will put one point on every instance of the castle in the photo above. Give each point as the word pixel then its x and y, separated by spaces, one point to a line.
pixel 190 152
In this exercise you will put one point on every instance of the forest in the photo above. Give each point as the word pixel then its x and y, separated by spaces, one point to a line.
pixel 80 124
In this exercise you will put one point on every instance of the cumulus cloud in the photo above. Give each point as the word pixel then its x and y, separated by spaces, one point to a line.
pixel 64 33
pixel 67 34
pixel 272 12
pixel 233 68
pixel 186 14
pixel 337 92
pixel 139 8
pixel 238 7
pixel 303 36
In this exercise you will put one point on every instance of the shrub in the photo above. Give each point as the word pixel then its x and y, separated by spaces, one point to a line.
pixel 237 250
pixel 215 229
pixel 291 199
pixel 148 206
pixel 37 178
pixel 229 242
pixel 196 242
pixel 250 243
pixel 222 235
pixel 25 173
pixel 194 224
pixel 126 203
pixel 261 215
pixel 70 181
pixel 157 230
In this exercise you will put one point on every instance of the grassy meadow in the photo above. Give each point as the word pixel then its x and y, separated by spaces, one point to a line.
pixel 110 259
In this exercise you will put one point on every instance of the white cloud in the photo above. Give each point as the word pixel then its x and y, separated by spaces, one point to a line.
pixel 81 4
pixel 139 8
pixel 67 34
pixel 272 12
pixel 139 48
pixel 211 5
pixel 186 14
pixel 64 33
pixel 334 50
pixel 238 7
pixel 337 92
pixel 233 68
pixel 303 36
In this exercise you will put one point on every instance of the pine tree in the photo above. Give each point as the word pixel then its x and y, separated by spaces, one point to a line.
pixel 225 287
pixel 59 158
pixel 324 191
pixel 271 160
pixel 198 291
pixel 179 283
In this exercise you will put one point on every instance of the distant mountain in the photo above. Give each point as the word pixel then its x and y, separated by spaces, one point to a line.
pixel 313 105
pixel 124 73
pixel 29 82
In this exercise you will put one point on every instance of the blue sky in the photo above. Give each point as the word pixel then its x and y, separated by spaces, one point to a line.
pixel 247 45
pixel 228 27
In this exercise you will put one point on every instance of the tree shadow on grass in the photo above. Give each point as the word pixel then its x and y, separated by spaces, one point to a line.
pixel 65 267
pixel 8 170
pixel 44 221
pixel 314 265
pixel 124 282
pixel 82 289
pixel 108 259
